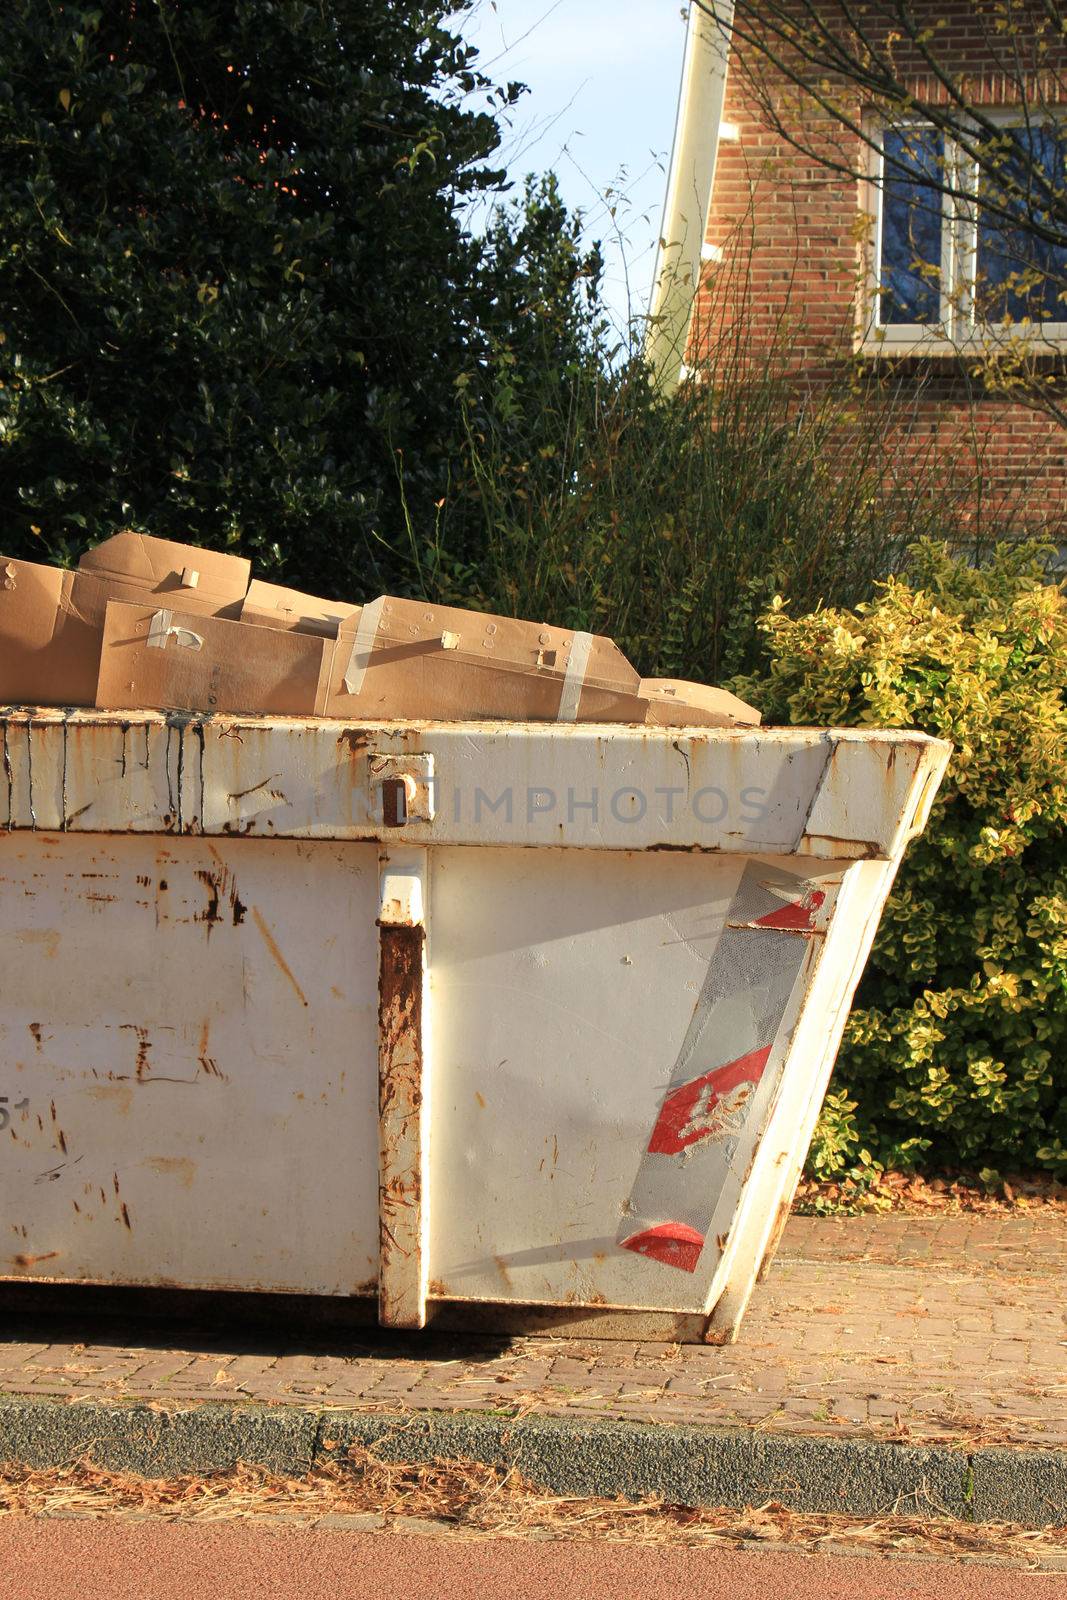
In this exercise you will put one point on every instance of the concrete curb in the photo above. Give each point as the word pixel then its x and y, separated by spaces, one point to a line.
pixel 683 1465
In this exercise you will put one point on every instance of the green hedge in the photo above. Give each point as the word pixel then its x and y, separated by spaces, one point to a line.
pixel 956 1052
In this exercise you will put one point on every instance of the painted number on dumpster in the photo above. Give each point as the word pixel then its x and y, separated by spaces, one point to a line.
pixel 5 1114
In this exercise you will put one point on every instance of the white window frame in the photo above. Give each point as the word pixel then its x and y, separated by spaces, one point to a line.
pixel 957 330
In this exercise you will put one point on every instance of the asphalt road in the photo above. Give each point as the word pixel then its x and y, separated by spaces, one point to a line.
pixel 66 1559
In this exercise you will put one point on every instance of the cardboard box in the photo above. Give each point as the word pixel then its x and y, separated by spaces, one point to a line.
pixel 49 642
pixel 145 622
pixel 169 660
pixel 394 658
pixel 134 565
pixel 274 606
pixel 404 658
pixel 52 620
pixel 673 703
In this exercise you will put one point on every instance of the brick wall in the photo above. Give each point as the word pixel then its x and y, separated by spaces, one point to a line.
pixel 795 268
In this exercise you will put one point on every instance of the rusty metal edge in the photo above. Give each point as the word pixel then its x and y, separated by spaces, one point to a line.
pixel 401 1301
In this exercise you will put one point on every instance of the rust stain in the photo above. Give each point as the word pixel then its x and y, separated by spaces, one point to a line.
pixel 126 1217
pixel 205 1034
pixel 120 1093
pixel 399 1104
pixel 785 1205
pixel 271 944
pixel 480 1099
pixel 62 1140
pixel 32 1261
pixel 144 1045
pixel 502 1267
pixel 355 740
pixel 214 887
pixel 226 884
pixel 179 1167
pixel 255 787
pixel 437 1289
pixel 685 849
pixel 850 849
pixel 35 1029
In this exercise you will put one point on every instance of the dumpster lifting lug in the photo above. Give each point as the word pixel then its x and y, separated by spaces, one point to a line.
pixel 402 788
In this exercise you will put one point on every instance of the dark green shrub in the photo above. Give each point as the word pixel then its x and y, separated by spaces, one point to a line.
pixel 237 287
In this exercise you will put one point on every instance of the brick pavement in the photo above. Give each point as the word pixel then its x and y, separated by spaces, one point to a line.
pixel 948 1329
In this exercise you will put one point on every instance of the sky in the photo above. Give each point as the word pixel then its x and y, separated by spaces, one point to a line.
pixel 603 78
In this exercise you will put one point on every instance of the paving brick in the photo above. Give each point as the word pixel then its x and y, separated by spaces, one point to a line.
pixel 825 1349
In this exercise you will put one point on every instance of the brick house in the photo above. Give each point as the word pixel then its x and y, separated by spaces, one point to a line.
pixel 840 234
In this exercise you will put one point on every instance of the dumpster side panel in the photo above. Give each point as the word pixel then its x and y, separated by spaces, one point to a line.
pixel 759 1215
pixel 571 999
pixel 188 1062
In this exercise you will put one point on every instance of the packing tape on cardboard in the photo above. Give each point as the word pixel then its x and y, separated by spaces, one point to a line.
pixel 574 677
pixel 363 644
pixel 161 628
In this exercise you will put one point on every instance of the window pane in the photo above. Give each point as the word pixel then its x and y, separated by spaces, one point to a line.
pixel 1019 274
pixel 910 255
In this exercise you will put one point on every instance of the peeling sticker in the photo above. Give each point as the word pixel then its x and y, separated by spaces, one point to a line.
pixel 713 1106
pixel 714 1103
pixel 674 1244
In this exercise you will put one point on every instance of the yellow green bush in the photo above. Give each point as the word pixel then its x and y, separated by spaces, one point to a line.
pixel 956 1051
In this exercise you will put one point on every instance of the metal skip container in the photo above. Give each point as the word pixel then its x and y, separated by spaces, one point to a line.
pixel 491 1024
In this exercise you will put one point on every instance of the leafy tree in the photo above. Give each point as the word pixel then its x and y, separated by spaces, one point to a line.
pixel 236 286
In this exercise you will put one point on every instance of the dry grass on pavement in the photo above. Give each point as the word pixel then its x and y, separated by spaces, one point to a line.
pixel 478 1501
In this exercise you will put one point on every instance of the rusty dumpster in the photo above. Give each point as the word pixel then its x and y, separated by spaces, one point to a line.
pixel 479 1024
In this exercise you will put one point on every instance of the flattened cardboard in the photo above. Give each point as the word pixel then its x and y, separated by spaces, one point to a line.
pixel 274 606
pixel 404 658
pixel 673 703
pixel 167 617
pixel 171 660
pixel 49 635
pixel 51 620
pixel 135 564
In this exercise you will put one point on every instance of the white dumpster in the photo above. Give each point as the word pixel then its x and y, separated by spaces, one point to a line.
pixel 521 1026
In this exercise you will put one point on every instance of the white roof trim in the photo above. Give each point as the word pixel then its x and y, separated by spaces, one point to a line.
pixel 698 129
